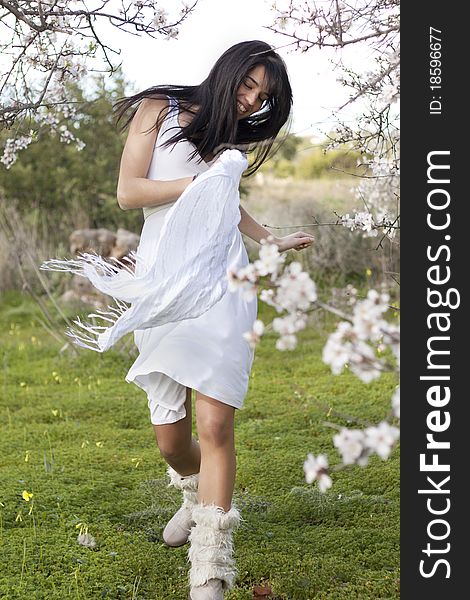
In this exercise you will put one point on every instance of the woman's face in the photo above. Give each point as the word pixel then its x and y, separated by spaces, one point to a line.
pixel 252 92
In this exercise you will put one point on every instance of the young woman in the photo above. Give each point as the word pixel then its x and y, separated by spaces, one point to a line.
pixel 175 134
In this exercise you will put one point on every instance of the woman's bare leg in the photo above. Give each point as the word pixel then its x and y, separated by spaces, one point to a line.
pixel 215 426
pixel 176 443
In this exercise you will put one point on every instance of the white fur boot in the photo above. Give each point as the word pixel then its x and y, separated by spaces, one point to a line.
pixel 177 530
pixel 210 552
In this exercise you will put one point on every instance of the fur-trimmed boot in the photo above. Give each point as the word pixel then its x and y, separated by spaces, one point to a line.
pixel 177 530
pixel 210 552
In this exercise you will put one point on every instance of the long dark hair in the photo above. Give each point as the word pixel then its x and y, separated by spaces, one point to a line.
pixel 214 125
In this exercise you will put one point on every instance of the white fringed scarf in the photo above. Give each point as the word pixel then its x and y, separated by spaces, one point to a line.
pixel 189 272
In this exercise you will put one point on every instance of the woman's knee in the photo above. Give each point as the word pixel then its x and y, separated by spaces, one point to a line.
pixel 173 441
pixel 215 421
pixel 215 433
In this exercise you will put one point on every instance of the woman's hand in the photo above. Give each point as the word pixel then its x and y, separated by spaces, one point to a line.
pixel 295 241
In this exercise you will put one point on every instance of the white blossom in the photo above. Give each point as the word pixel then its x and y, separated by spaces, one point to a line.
pixel 267 296
pixel 364 363
pixel 368 223
pixel 289 324
pixel 351 445
pixel 65 135
pixel 286 342
pixel 367 321
pixel 337 350
pixel 258 327
pixel 244 279
pixel 296 290
pixel 269 260
pixel 12 145
pixel 381 439
pixel 253 336
pixel 348 345
pixel 316 469
pixel 49 119
pixel 172 34
pixel 160 17
pixel 381 191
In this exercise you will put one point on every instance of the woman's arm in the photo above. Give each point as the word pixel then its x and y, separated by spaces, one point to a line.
pixel 252 228
pixel 134 190
pixel 255 231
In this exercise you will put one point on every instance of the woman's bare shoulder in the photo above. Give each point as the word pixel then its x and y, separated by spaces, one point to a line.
pixel 152 105
pixel 149 114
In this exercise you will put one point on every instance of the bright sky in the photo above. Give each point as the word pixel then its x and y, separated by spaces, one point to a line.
pixel 213 27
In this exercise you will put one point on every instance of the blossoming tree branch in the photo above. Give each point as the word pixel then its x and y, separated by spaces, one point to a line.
pixel 365 335
pixel 374 24
pixel 356 343
pixel 46 43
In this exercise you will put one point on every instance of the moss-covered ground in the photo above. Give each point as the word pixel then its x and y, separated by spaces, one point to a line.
pixel 78 437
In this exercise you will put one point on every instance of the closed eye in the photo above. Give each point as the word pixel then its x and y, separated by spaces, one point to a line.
pixel 250 88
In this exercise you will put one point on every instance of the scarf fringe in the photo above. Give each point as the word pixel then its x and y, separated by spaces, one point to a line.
pixel 78 266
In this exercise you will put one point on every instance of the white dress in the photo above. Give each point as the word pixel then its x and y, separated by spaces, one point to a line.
pixel 208 353
pixel 188 326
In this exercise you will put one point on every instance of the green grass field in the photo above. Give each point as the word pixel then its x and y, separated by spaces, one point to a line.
pixel 78 437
